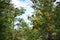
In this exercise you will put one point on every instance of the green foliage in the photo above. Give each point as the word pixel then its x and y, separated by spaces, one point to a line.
pixel 46 18
pixel 7 15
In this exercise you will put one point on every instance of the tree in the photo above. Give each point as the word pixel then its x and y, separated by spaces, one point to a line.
pixel 46 18
pixel 7 15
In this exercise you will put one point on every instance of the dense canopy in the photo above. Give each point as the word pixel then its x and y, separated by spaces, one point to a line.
pixel 45 20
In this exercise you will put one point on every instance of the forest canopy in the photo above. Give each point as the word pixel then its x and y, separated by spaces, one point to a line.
pixel 45 20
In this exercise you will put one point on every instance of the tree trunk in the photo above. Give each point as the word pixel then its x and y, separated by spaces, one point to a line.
pixel 48 35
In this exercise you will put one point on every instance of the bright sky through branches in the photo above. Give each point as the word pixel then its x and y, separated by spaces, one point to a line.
pixel 26 4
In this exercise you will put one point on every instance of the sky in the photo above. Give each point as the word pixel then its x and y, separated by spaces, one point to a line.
pixel 27 5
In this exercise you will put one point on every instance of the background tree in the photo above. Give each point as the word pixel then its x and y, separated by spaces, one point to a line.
pixel 46 18
pixel 7 15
